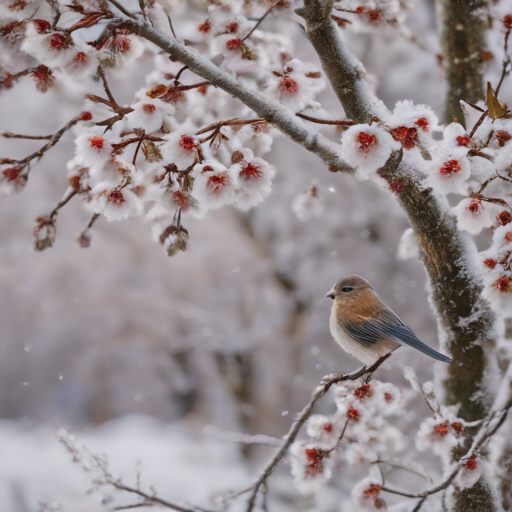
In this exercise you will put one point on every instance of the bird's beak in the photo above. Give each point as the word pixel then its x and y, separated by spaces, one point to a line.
pixel 330 294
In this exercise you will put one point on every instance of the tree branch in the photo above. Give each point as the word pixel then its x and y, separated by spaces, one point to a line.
pixel 449 255
pixel 41 151
pixel 153 499
pixel 271 110
pixel 320 391
pixel 344 71
pixel 482 437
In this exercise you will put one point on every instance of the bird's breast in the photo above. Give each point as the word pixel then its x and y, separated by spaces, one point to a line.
pixel 369 350
pixel 361 352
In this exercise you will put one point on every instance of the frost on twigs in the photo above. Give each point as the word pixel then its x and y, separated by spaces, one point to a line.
pixel 113 491
pixel 358 434
pixel 180 147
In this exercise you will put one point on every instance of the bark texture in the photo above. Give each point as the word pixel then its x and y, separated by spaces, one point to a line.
pixel 449 255
pixel 466 322
pixel 280 117
pixel 464 24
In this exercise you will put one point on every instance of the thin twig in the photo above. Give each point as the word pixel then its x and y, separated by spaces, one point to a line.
pixel 482 437
pixel 135 505
pixel 63 202
pixel 113 102
pixel 337 445
pixel 119 6
pixel 259 22
pixel 56 12
pixel 418 506
pixel 9 79
pixel 171 27
pixel 41 151
pixel 83 239
pixel 506 62
pixel 9 135
pixel 137 150
pixel 152 498
pixel 478 123
pixel 229 122
pixel 258 440
pixel 177 77
pixel 340 122
pixel 320 391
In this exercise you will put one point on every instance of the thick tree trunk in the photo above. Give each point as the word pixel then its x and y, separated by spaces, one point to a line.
pixel 449 255
pixel 463 27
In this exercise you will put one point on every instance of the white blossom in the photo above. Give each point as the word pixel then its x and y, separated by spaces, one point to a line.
pixel 324 429
pixel 238 55
pixel 122 49
pixel 498 290
pixel 149 114
pixel 367 148
pixel 50 48
pixel 253 179
pixel 295 88
pixel 438 436
pixel 455 135
pixel 82 63
pixel 180 149
pixel 93 147
pixel 309 467
pixel 470 472
pixel 12 179
pixel 366 494
pixel 418 117
pixel 474 215
pixel 114 204
pixel 449 172
pixel 214 185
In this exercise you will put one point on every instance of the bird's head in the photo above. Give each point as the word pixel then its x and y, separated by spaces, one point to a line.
pixel 349 288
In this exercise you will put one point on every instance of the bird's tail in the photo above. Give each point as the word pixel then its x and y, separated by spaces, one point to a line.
pixel 403 334
pixel 419 345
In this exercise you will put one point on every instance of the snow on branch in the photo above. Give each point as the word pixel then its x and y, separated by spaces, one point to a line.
pixel 345 72
pixel 271 110
pixel 97 468
pixel 290 437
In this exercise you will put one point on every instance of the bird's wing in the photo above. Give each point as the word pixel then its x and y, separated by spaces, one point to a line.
pixel 388 325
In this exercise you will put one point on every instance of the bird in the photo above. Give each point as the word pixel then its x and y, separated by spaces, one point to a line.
pixel 367 328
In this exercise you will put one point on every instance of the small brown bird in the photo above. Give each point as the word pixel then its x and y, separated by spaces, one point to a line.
pixel 365 327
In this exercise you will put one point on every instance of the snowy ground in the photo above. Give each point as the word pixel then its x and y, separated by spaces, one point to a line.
pixel 176 459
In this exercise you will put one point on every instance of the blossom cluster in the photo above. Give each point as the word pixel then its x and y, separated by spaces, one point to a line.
pixel 182 147
pixel 360 434
pixel 473 162
pixel 357 434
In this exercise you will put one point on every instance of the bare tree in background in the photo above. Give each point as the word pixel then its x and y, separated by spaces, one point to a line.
pixel 193 141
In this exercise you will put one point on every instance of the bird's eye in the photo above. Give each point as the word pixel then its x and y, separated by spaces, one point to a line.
pixel 347 289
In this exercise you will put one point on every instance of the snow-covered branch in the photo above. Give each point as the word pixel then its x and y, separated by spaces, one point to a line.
pixel 280 117
pixel 290 437
pixel 345 72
